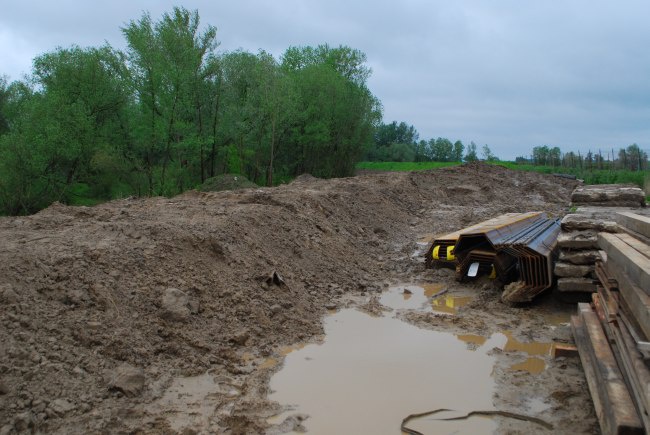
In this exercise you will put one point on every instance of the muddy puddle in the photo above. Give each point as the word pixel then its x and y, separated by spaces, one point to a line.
pixel 371 372
pixel 425 297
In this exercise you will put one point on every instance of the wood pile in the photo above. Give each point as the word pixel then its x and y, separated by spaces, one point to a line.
pixel 611 333
pixel 610 195
pixel 578 241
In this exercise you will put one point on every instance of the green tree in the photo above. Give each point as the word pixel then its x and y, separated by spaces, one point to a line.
pixel 4 97
pixel 338 114
pixel 471 154
pixel 487 154
pixel 458 151
pixel 169 61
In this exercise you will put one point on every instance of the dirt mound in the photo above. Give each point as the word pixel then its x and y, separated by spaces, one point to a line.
pixel 304 178
pixel 214 282
pixel 226 182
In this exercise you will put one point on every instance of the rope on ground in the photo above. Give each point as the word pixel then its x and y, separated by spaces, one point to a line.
pixel 506 414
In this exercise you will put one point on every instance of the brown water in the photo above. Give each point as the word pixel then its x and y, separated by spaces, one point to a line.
pixel 371 372
pixel 423 298
pixel 191 401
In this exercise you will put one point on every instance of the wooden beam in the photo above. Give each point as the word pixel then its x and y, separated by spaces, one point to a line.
pixel 589 366
pixel 622 249
pixel 634 299
pixel 622 417
pixel 564 350
pixel 635 370
pixel 634 222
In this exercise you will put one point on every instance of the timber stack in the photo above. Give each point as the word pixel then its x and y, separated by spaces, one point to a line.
pixel 612 332
pixel 578 242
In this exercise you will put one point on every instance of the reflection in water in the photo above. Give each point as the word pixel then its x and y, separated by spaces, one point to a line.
pixel 432 289
pixel 536 351
pixel 422 297
pixel 531 365
pixel 475 341
pixel 371 372
pixel 449 303
pixel 557 319
pixel 532 348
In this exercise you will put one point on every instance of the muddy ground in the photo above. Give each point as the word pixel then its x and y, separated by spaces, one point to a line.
pixel 104 310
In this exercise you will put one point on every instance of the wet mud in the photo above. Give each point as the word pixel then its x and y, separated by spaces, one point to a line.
pixel 175 315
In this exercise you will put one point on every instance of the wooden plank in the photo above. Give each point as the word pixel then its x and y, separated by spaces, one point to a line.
pixel 635 371
pixel 623 418
pixel 584 285
pixel 637 244
pixel 589 367
pixel 635 264
pixel 635 300
pixel 610 304
pixel 635 222
pixel 606 281
pixel 564 350
pixel 630 362
pixel 639 237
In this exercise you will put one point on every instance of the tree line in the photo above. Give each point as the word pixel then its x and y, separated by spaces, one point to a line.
pixel 169 111
pixel 401 142
pixel 631 158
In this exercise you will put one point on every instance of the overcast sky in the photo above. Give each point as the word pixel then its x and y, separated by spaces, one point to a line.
pixel 508 73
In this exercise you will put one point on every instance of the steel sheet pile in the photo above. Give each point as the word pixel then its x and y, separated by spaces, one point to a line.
pixel 516 248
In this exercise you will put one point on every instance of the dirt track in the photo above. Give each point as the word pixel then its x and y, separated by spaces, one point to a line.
pixel 85 290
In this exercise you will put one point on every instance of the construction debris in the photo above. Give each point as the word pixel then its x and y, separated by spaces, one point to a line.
pixel 515 247
pixel 612 332
pixel 612 195
pixel 579 242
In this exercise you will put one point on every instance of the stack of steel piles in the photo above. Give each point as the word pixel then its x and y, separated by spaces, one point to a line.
pixel 512 247
pixel 612 332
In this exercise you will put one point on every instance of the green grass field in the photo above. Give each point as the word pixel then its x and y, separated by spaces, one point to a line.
pixel 593 176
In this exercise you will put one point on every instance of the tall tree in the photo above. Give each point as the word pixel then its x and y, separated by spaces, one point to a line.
pixel 168 61
pixel 471 155
pixel 488 155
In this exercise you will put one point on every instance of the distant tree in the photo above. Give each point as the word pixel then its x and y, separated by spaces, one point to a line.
pixel 442 149
pixel 635 159
pixel 554 156
pixel 421 151
pixel 458 151
pixel 541 155
pixel 4 97
pixel 471 155
pixel 487 154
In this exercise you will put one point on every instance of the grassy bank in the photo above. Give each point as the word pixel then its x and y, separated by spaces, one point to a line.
pixel 590 176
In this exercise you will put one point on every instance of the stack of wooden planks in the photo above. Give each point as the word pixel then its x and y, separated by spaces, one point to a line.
pixel 612 332
pixel 594 207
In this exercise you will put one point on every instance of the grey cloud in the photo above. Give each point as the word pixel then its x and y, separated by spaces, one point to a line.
pixel 507 73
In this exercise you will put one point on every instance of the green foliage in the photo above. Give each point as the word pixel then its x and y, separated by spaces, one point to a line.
pixel 169 112
pixel 488 155
pixel 471 155
pixel 226 182
pixel 593 176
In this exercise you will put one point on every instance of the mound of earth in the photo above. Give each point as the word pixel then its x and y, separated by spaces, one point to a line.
pixel 226 182
pixel 103 308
